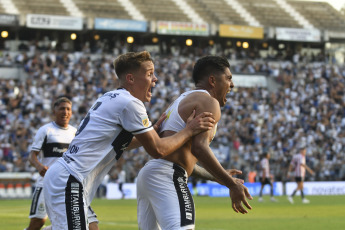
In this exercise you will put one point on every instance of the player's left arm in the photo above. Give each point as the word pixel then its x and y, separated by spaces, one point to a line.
pixel 308 169
pixel 202 151
pixel 201 173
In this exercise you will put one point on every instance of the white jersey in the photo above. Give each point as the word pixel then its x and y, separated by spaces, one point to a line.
pixel 104 134
pixel 297 162
pixel 53 141
pixel 174 122
pixel 265 168
pixel 121 178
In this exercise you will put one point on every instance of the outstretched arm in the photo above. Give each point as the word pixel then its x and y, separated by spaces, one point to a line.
pixel 202 173
pixel 204 154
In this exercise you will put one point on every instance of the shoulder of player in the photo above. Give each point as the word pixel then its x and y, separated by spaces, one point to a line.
pixel 206 103
pixel 72 127
pixel 202 98
pixel 46 127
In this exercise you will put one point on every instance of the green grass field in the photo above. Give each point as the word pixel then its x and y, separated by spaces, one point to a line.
pixel 323 213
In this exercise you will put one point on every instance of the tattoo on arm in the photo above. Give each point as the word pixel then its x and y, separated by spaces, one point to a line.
pixel 201 173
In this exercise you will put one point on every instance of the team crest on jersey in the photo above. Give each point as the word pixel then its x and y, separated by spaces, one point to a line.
pixel 41 207
pixel 145 121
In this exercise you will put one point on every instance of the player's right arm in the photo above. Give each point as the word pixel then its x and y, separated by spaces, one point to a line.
pixel 42 169
pixel 204 154
pixel 36 148
pixel 160 147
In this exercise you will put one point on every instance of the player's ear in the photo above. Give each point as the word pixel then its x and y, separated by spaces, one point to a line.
pixel 130 78
pixel 212 80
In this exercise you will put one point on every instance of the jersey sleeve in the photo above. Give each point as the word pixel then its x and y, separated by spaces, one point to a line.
pixel 264 164
pixel 134 118
pixel 39 139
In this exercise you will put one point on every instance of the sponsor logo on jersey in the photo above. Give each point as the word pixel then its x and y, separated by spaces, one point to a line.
pixel 76 218
pixel 58 150
pixel 168 115
pixel 189 216
pixel 145 121
pixel 187 202
pixel 41 207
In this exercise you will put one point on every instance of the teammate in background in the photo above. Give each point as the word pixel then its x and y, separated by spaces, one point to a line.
pixel 298 165
pixel 105 132
pixel 121 179
pixel 265 177
pixel 52 139
pixel 162 183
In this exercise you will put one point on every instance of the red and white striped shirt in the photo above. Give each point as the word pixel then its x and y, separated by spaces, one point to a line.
pixel 297 162
pixel 265 167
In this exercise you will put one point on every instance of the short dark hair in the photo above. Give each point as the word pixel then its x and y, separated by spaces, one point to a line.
pixel 209 65
pixel 130 62
pixel 265 154
pixel 60 100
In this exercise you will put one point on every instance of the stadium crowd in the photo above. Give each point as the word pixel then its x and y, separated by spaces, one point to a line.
pixel 307 108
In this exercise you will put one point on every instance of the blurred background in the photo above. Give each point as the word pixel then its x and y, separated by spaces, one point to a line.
pixel 287 60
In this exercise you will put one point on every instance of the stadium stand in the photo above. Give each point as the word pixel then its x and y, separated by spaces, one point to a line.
pixel 269 14
pixel 102 9
pixel 160 10
pixel 2 10
pixel 320 14
pixel 52 7
pixel 306 107
pixel 217 12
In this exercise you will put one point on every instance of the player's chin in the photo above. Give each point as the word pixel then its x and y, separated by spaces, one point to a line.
pixel 147 99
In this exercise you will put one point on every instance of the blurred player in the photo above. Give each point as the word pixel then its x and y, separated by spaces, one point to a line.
pixel 298 165
pixel 265 176
pixel 52 139
pixel 164 200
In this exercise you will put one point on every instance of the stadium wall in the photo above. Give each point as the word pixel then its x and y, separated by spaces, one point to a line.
pixel 216 190
pixel 19 186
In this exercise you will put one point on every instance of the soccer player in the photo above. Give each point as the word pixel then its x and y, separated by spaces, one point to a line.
pixel 121 179
pixel 164 200
pixel 52 140
pixel 298 165
pixel 265 177
pixel 105 132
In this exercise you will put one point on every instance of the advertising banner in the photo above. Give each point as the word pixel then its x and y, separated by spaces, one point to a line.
pixel 113 191
pixel 319 188
pixel 182 28
pixel 8 20
pixel 120 25
pixel 213 189
pixel 42 21
pixel 238 31
pixel 296 34
pixel 217 190
pixel 250 80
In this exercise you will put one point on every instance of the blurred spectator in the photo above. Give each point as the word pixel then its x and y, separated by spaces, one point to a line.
pixel 305 106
